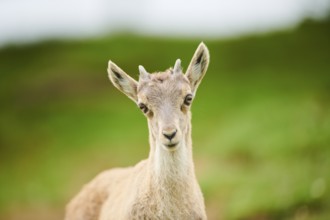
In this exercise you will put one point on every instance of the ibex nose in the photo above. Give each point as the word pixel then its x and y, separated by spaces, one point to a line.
pixel 170 134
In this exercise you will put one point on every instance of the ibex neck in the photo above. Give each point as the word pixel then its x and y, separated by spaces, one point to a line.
pixel 171 166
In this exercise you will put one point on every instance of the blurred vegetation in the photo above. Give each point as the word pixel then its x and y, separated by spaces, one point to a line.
pixel 261 121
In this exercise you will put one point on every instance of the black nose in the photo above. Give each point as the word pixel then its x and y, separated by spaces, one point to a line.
pixel 170 136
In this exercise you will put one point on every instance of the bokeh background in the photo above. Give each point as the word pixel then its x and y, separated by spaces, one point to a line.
pixel 261 118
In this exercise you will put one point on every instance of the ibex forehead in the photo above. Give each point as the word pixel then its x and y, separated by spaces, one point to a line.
pixel 163 87
pixel 163 81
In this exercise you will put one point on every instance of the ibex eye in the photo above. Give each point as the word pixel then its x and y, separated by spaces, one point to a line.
pixel 188 99
pixel 143 108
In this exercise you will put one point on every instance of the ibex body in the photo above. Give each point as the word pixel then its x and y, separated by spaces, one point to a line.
pixel 163 186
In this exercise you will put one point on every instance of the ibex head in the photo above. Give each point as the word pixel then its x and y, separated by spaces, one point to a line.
pixel 165 98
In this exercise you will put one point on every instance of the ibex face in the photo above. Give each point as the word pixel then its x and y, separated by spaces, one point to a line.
pixel 165 99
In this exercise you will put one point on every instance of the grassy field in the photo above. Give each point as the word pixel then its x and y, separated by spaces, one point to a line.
pixel 261 122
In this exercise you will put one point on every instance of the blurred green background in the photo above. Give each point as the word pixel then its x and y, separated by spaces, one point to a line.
pixel 261 121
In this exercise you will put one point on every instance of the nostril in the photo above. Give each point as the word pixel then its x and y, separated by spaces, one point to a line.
pixel 170 136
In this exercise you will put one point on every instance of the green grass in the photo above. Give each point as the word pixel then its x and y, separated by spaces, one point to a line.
pixel 261 121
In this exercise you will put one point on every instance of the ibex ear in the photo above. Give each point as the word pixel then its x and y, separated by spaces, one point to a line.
pixel 198 66
pixel 122 81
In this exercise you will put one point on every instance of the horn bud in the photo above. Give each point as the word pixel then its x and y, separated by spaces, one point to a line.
pixel 177 66
pixel 143 73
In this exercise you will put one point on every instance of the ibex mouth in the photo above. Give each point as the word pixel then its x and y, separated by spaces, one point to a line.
pixel 171 145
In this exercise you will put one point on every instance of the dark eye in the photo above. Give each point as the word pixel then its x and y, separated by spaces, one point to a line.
pixel 143 108
pixel 188 99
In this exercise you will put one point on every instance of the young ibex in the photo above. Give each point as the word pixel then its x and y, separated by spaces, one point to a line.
pixel 163 186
